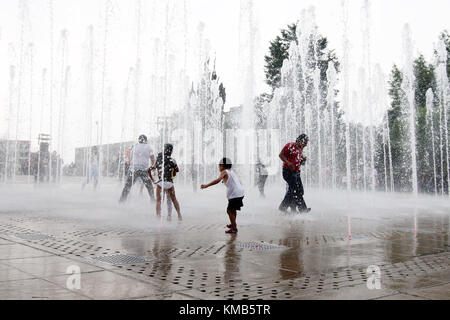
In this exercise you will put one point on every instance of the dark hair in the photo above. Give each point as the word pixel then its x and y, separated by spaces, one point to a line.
pixel 226 163
pixel 168 149
pixel 303 138
pixel 142 138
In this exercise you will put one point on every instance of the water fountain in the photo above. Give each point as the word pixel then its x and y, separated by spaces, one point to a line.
pixel 89 98
pixel 332 84
pixel 409 103
pixel 51 81
pixel 159 78
pixel 12 75
pixel 30 102
pixel 107 15
pixel 346 89
pixel 62 99
pixel 247 50
pixel 306 101
pixel 367 66
pixel 443 92
pixel 430 125
pixel 23 12
pixel 41 123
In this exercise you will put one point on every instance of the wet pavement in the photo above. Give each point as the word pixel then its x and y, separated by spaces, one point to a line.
pixel 124 252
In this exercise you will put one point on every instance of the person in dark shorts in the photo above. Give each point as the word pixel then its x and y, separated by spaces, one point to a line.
pixel 235 192
pixel 293 159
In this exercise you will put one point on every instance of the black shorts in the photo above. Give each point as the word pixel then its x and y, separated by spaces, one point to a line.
pixel 235 204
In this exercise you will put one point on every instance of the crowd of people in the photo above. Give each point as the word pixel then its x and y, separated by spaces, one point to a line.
pixel 157 175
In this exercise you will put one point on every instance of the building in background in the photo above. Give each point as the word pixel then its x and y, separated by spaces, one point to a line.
pixel 8 155
pixel 112 158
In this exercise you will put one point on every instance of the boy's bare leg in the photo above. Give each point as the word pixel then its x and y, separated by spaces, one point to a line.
pixel 172 195
pixel 158 201
pixel 232 216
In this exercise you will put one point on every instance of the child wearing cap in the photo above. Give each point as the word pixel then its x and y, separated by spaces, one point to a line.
pixel 235 192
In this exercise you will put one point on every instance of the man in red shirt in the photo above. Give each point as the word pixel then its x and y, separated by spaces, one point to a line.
pixel 293 159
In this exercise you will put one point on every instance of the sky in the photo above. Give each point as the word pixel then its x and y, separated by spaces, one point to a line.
pixel 221 27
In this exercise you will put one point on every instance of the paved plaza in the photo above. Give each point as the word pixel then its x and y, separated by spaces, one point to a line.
pixel 48 234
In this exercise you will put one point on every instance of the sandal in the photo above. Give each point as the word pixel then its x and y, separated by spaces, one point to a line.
pixel 231 231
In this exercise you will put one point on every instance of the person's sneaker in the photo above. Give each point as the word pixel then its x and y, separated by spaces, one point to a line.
pixel 305 210
pixel 229 226
pixel 231 231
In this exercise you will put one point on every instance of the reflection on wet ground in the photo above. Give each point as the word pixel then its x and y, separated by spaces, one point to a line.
pixel 124 252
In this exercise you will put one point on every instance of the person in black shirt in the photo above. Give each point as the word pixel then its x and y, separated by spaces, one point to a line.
pixel 165 180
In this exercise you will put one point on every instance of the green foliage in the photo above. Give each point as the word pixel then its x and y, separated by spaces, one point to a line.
pixel 398 131
pixel 278 52
pixel 446 37
pixel 425 79
pixel 398 125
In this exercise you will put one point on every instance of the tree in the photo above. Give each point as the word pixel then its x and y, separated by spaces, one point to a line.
pixel 425 79
pixel 279 52
pixel 445 36
pixel 398 132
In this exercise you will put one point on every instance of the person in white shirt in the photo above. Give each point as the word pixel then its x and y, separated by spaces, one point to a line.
pixel 235 192
pixel 140 158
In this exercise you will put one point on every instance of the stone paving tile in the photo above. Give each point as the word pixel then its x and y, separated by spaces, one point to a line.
pixel 359 292
pixel 442 276
pixel 36 289
pixel 401 296
pixel 106 285
pixel 16 251
pixel 9 274
pixel 168 296
pixel 33 244
pixel 206 264
pixel 405 285
pixel 5 242
pixel 438 292
pixel 48 266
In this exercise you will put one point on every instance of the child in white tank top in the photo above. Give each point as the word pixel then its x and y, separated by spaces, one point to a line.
pixel 235 192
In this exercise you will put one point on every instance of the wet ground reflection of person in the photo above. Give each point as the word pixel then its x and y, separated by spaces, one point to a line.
pixel 290 259
pixel 232 259
pixel 162 246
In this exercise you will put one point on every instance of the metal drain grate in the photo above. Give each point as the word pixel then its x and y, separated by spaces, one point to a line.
pixel 34 236
pixel 119 259
pixel 259 246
